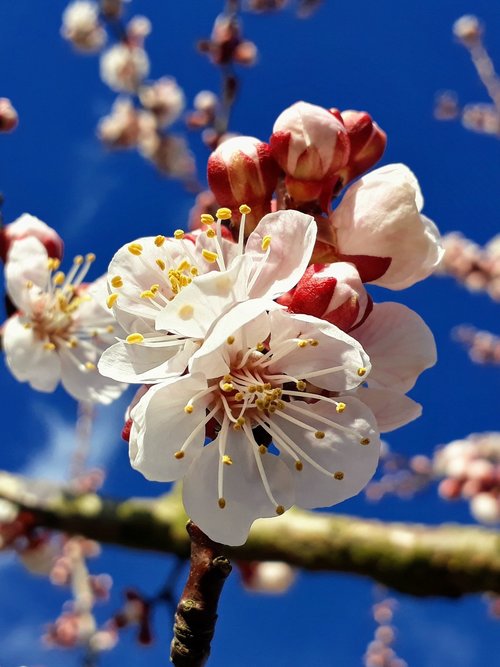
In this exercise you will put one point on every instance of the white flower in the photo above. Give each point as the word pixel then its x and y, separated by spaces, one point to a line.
pixel 60 329
pixel 167 292
pixel 80 25
pixel 124 67
pixel 252 378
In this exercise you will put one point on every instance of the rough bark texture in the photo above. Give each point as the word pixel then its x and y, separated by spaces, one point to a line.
pixel 196 613
pixel 447 560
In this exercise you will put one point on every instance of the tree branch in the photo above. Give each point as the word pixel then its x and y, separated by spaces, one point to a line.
pixel 447 560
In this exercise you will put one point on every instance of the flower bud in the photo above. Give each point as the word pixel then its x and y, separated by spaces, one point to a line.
pixel 311 145
pixel 165 99
pixel 368 143
pixel 8 116
pixel 124 67
pixel 27 225
pixel 468 30
pixel 267 577
pixel 242 171
pixel 332 292
pixel 81 27
pixel 485 508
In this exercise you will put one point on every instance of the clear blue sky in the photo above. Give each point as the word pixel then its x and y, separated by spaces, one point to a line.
pixel 388 58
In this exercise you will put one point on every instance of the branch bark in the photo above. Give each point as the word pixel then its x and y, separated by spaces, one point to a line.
pixel 447 560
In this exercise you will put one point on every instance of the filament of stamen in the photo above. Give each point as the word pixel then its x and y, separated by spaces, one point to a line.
pixel 260 466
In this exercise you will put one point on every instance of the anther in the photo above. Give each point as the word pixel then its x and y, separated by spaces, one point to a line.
pixel 210 256
pixel 244 209
pixel 29 284
pixel 262 449
pixel 50 347
pixel 148 294
pixel 301 385
pixel 111 300
pixel 227 460
pixel 313 342
pixel 90 257
pixel 361 371
pixel 161 264
pixel 230 340
pixel 227 386
pixel 186 312
pixel 364 441
pixel 319 435
pixel 299 465
pixel 207 219
pixel 78 260
pixel 90 366
pixel 188 409
pixel 135 249
pixel 280 510
pixel 179 455
pixel 178 234
pixel 110 329
pixel 239 396
pixel 117 281
pixel 340 407
pixel 266 242
pixel 302 343
pixel 134 338
pixel 260 347
pixel 338 475
pixel 211 233
pixel 222 503
pixel 59 278
pixel 159 240
pixel 224 213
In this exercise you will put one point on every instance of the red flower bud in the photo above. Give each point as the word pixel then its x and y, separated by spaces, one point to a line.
pixel 27 225
pixel 311 145
pixel 8 115
pixel 368 143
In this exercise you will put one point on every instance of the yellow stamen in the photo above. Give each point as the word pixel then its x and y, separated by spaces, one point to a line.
pixel 227 386
pixel 159 240
pixel 29 284
pixel 90 257
pixel 117 281
pixel 280 510
pixel 364 441
pixel 90 366
pixel 148 294
pixel 78 260
pixel 224 213
pixel 221 503
pixel 186 312
pixel 301 385
pixel 313 342
pixel 302 343
pixel 161 264
pixel 188 409
pixel 211 233
pixel 262 449
pixel 341 407
pixel 230 340
pixel 299 465
pixel 209 255
pixel 338 475
pixel 227 460
pixel 245 210
pixel 320 435
pixel 178 234
pixel 50 347
pixel 266 242
pixel 361 371
pixel 111 300
pixel 134 338
pixel 59 278
pixel 207 219
pixel 110 328
pixel 179 455
pixel 135 249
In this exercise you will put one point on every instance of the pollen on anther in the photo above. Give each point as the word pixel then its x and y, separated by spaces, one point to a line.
pixel 340 407
pixel 134 338
pixel 260 347
pixel 209 255
pixel 319 435
pixel 135 249
pixel 280 510
pixel 59 278
pixel 49 346
pixel 90 257
pixel 338 475
pixel 299 465
pixel 29 284
pixel 186 312
pixel 266 242
pixel 224 213
pixel 188 409
pixel 301 385
pixel 178 234
pixel 159 240
pixel 227 460
pixel 244 209
pixel 227 386
pixel 302 343
pixel 262 449
pixel 211 233
pixel 111 300
pixel 313 342
pixel 361 371
pixel 364 441
pixel 207 219
pixel 117 281
pixel 78 260
pixel 222 503
pixel 230 340
pixel 179 455
pixel 90 366
pixel 148 294
pixel 161 264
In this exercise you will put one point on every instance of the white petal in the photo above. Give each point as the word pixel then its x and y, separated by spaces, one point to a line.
pixel 337 452
pixel 27 358
pixel 335 349
pixel 27 262
pixel 292 241
pixel 244 493
pixel 197 306
pixel 392 409
pixel 161 426
pixel 399 343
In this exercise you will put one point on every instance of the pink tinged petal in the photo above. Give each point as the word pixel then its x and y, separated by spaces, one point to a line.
pixel 198 305
pixel 161 427
pixel 391 408
pixel 400 346
pixel 245 325
pixel 26 264
pixel 292 241
pixel 145 364
pixel 27 358
pixel 337 466
pixel 333 349
pixel 243 490
pixel 82 380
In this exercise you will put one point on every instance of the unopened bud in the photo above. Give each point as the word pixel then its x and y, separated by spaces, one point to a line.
pixel 28 225
pixel 268 577
pixel 485 508
pixel 368 143
pixel 468 30
pixel 311 145
pixel 242 171
pixel 8 116
pixel 245 54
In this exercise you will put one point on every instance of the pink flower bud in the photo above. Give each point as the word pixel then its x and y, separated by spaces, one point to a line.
pixel 8 115
pixel 368 143
pixel 242 171
pixel 332 292
pixel 311 145
pixel 27 225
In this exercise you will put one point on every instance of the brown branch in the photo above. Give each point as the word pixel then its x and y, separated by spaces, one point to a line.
pixel 447 560
pixel 196 613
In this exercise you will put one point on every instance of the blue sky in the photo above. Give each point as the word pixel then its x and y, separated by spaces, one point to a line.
pixel 389 58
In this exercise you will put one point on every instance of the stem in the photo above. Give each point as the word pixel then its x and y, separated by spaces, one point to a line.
pixel 196 613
